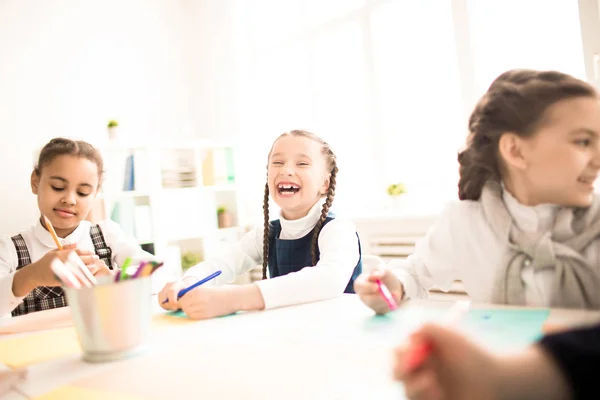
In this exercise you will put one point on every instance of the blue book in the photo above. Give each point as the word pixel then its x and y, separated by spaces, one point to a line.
pixel 129 181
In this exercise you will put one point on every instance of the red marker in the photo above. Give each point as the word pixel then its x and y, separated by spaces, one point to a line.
pixel 420 351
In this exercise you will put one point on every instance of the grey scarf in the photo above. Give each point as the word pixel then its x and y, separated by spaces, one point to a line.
pixel 576 282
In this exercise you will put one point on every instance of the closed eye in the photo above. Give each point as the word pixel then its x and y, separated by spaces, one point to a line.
pixel 583 142
pixel 83 194
pixel 303 164
pixel 57 189
pixel 277 163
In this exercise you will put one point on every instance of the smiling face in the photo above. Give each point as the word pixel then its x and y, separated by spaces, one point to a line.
pixel 298 174
pixel 66 188
pixel 559 163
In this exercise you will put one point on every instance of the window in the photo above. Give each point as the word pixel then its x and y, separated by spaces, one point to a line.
pixel 536 34
pixel 389 83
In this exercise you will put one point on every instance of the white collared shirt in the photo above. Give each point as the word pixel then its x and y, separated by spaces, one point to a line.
pixel 39 242
pixel 461 245
pixel 339 254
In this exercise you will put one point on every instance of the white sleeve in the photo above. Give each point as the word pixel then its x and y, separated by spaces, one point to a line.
pixel 122 245
pixel 232 260
pixel 433 262
pixel 339 254
pixel 8 266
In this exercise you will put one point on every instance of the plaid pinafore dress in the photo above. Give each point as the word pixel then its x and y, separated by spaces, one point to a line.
pixel 48 297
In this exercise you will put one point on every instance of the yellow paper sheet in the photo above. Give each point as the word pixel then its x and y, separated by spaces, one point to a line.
pixel 75 393
pixel 38 347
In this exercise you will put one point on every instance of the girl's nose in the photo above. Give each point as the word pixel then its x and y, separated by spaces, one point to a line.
pixel 69 198
pixel 287 171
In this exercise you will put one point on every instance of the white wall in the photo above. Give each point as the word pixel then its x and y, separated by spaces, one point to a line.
pixel 68 66
pixel 219 58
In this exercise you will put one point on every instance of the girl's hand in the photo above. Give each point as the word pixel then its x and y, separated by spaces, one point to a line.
pixel 209 302
pixel 99 268
pixel 89 258
pixel 366 288
pixel 170 292
pixel 39 273
pixel 456 368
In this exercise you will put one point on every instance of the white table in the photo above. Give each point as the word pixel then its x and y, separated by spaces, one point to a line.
pixel 328 350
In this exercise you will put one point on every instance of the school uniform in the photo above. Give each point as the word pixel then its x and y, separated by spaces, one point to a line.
pixel 105 239
pixel 298 280
pixel 464 244
pixel 577 354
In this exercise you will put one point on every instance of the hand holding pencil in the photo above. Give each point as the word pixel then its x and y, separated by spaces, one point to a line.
pixel 456 367
pixel 380 290
pixel 41 273
pixel 169 296
pixel 436 355
pixel 65 263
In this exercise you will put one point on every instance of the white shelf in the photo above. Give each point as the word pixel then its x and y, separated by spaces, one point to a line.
pixel 176 214
pixel 225 187
pixel 134 193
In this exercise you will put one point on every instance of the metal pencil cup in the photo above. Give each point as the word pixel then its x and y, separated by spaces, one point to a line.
pixel 112 320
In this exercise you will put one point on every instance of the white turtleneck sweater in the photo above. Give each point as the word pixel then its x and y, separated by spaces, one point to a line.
pixel 339 254
pixel 461 245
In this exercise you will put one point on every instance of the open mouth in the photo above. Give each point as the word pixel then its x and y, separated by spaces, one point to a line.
pixel 288 189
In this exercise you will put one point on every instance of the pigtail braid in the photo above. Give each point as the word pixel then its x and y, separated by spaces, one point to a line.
pixel 324 213
pixel 266 233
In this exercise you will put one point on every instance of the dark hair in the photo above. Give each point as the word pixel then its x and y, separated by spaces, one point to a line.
pixel 333 170
pixel 515 102
pixel 61 146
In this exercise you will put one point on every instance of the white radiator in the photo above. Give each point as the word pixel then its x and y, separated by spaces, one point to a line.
pixel 395 238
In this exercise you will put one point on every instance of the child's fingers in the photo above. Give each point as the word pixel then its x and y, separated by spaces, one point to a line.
pixel 89 259
pixel 162 296
pixel 169 305
pixel 81 278
pixel 441 337
pixel 376 274
pixel 80 252
pixel 377 304
pixel 172 295
pixel 422 386
pixel 365 288
pixel 99 268
pixel 399 370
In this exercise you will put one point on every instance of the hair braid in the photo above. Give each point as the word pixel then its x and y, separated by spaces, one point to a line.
pixel 266 233
pixel 324 213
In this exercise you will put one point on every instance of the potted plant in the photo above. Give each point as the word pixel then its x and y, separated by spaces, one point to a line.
pixel 224 218
pixel 395 191
pixel 113 126
pixel 189 259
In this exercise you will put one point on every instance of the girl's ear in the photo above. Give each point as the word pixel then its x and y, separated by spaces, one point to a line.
pixel 325 187
pixel 511 148
pixel 35 182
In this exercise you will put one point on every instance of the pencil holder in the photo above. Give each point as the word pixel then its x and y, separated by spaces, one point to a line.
pixel 112 320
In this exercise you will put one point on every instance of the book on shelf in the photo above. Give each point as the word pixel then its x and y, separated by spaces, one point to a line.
pixel 218 167
pixel 129 178
pixel 135 220
pixel 179 178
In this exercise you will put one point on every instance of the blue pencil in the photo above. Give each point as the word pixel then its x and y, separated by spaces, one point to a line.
pixel 200 282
